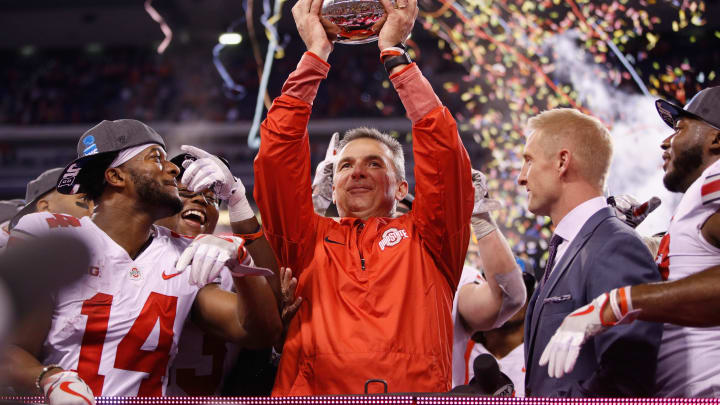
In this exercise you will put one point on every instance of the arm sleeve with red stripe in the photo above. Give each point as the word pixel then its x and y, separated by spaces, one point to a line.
pixel 710 189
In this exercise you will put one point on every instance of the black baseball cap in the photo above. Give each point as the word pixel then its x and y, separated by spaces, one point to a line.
pixel 105 137
pixel 705 106
pixel 35 189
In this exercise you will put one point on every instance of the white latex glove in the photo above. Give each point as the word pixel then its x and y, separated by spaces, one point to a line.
pixel 67 388
pixel 208 171
pixel 630 210
pixel 322 183
pixel 482 202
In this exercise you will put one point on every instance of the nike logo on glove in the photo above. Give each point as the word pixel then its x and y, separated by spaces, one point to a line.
pixel 169 276
pixel 65 386
pixel 332 241
pixel 585 312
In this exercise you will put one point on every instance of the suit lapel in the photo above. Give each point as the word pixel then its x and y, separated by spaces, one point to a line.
pixel 559 269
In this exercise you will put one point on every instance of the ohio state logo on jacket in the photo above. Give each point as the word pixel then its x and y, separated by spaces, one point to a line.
pixel 392 237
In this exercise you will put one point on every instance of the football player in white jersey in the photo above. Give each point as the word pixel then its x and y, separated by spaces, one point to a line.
pixel 505 343
pixel 688 258
pixel 41 196
pixel 203 359
pixel 114 332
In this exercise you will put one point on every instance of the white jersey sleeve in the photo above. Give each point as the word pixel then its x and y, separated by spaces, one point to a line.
pixel 710 189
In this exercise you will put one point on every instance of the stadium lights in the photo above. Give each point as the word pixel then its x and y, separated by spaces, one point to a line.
pixel 230 38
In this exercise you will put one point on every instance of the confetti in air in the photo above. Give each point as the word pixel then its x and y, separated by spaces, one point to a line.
pixel 163 26
pixel 514 69
pixel 274 47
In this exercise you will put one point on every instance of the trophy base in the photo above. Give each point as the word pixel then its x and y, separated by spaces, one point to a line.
pixel 354 18
pixel 356 37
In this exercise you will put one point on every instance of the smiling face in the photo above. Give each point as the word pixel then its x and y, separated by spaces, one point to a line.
pixel 539 175
pixel 152 178
pixel 199 213
pixel 686 153
pixel 365 183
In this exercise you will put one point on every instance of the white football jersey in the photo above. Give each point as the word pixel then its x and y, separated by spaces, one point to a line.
pixel 202 360
pixel 689 358
pixel 118 325
pixel 461 336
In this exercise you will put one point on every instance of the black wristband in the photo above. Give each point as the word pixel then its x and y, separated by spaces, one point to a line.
pixel 390 63
pixel 401 46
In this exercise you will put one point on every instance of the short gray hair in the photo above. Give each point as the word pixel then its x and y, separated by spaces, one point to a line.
pixel 385 139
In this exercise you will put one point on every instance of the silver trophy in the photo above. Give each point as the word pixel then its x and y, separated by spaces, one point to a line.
pixel 354 19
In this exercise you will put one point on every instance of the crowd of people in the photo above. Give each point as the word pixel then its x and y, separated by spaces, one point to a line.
pixel 59 86
pixel 351 285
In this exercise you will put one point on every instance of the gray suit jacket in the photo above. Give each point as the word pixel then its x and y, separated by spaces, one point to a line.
pixel 605 254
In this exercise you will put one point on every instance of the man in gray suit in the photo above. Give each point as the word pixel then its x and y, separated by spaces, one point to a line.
pixel 566 160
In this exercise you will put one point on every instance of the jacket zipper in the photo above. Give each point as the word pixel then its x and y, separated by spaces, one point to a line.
pixel 362 259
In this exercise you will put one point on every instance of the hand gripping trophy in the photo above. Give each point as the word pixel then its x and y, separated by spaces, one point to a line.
pixel 357 21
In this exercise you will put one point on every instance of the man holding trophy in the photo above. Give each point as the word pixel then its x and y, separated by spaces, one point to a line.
pixel 377 289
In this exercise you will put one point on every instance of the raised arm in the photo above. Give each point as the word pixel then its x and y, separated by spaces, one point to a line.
pixel 489 305
pixel 282 167
pixel 443 187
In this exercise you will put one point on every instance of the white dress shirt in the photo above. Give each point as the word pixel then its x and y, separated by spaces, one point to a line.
pixel 570 225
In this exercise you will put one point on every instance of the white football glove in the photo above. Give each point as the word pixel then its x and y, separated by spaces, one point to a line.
pixel 208 254
pixel 208 171
pixel 482 202
pixel 481 221
pixel 630 210
pixel 67 388
pixel 563 349
pixel 323 180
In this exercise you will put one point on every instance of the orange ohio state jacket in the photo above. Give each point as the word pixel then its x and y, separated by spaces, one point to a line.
pixel 377 293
